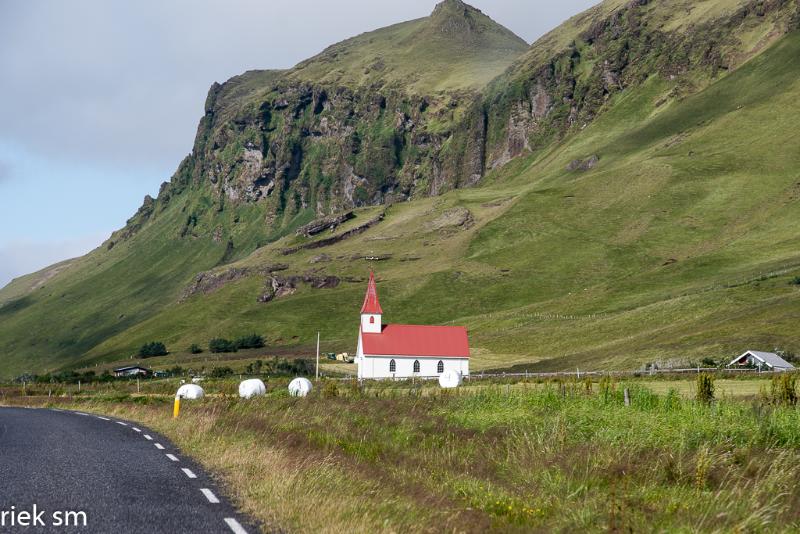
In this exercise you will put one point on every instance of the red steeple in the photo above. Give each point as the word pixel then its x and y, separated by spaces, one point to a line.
pixel 371 304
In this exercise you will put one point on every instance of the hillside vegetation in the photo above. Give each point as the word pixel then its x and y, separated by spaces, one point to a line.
pixel 634 198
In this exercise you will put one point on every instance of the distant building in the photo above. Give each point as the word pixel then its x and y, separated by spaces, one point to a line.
pixel 767 361
pixel 406 351
pixel 134 370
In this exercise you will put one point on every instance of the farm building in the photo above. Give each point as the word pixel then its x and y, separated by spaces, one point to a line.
pixel 406 351
pixel 767 361
pixel 134 370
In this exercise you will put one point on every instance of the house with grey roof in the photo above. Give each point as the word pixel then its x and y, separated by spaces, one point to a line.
pixel 766 361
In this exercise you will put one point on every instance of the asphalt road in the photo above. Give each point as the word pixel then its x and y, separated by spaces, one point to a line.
pixel 107 469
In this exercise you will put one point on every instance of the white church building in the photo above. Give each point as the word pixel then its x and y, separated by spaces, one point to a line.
pixel 405 351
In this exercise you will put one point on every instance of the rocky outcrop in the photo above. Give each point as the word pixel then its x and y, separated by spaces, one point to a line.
pixel 583 164
pixel 209 282
pixel 335 239
pixel 545 97
pixel 282 286
pixel 451 219
pixel 325 223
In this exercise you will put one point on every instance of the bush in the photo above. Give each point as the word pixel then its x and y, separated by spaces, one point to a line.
pixel 253 341
pixel 154 348
pixel 219 344
pixel 221 372
pixel 705 388
pixel 795 281
pixel 708 362
pixel 330 389
pixel 784 389
pixel 195 349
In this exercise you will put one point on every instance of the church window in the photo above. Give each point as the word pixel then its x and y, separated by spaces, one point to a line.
pixel 371 319
pixel 416 366
pixel 392 366
pixel 440 367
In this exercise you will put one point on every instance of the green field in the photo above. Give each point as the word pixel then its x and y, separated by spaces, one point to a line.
pixel 488 457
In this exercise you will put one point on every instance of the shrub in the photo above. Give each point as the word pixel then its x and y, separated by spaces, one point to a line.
pixel 154 348
pixel 195 349
pixel 253 341
pixel 705 388
pixel 330 389
pixel 795 281
pixel 784 389
pixel 708 362
pixel 219 344
pixel 221 372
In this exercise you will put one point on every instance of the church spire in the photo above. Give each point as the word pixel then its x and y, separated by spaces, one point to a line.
pixel 371 304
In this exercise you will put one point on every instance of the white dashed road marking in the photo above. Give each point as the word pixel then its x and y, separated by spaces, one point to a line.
pixel 189 473
pixel 148 438
pixel 172 457
pixel 81 413
pixel 159 446
pixel 210 496
pixel 103 418
pixel 121 423
pixel 136 429
pixel 235 526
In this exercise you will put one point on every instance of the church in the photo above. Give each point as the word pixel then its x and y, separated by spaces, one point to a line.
pixel 398 351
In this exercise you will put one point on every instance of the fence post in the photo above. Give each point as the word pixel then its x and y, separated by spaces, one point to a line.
pixel 627 397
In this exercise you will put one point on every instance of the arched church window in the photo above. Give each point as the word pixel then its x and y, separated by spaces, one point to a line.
pixel 392 366
pixel 416 366
pixel 440 367
pixel 371 319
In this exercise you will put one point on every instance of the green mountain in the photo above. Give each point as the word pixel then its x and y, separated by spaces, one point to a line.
pixel 624 191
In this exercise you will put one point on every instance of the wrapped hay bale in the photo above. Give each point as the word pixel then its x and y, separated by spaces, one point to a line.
pixel 450 379
pixel 300 387
pixel 190 391
pixel 252 388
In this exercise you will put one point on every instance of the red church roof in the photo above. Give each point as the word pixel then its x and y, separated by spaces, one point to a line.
pixel 371 304
pixel 417 341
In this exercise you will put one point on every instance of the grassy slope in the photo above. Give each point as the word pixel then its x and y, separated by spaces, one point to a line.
pixel 560 268
pixel 710 182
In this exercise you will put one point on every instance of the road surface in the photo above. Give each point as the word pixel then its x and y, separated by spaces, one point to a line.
pixel 105 472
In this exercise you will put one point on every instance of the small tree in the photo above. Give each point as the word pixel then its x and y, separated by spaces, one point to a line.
pixel 705 388
pixel 195 349
pixel 219 344
pixel 253 341
pixel 154 348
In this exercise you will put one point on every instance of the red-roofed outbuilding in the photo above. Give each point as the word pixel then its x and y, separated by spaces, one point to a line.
pixel 405 351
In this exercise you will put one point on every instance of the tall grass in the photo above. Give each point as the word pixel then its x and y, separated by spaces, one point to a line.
pixel 551 456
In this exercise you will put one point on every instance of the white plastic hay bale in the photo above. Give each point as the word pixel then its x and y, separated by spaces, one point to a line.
pixel 450 379
pixel 190 391
pixel 252 388
pixel 300 387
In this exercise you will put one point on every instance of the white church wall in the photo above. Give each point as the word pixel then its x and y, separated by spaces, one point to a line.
pixel 378 366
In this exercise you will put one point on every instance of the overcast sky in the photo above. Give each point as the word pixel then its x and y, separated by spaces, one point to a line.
pixel 100 99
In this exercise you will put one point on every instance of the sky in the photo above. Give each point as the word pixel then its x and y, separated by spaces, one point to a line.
pixel 100 99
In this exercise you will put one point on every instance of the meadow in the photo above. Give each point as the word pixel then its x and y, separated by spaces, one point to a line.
pixel 500 456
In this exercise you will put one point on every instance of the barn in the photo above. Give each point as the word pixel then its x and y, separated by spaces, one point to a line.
pixel 134 370
pixel 398 351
